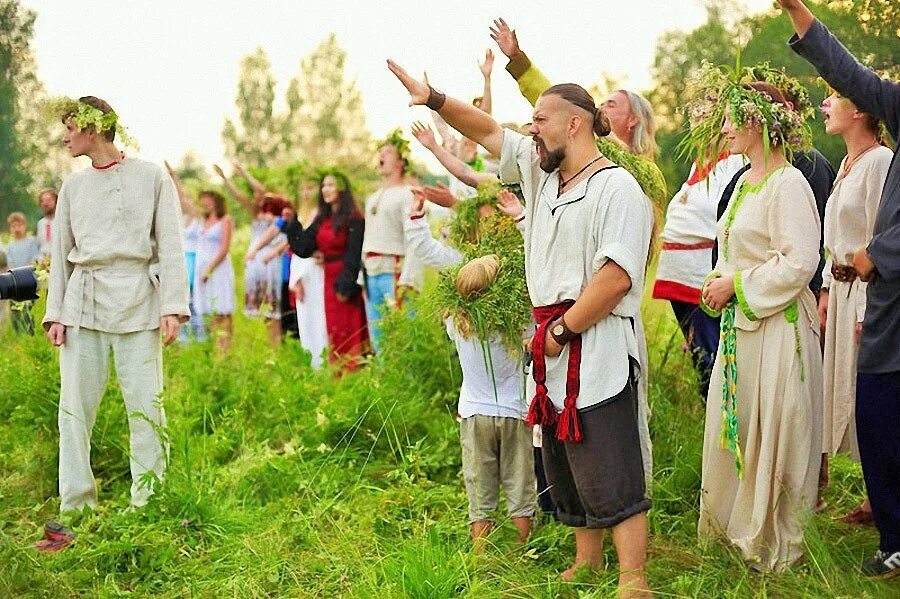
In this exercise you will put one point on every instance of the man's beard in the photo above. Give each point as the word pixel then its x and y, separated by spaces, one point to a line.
pixel 551 159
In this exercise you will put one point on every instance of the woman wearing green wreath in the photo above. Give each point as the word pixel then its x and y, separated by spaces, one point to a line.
pixel 763 437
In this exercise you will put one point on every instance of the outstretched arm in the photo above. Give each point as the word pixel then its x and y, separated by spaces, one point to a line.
pixel 257 187
pixel 531 80
pixel 454 165
pixel 470 121
pixel 187 206
pixel 486 68
pixel 800 16
pixel 241 198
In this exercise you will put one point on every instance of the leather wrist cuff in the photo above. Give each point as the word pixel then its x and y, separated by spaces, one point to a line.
pixel 560 332
pixel 435 99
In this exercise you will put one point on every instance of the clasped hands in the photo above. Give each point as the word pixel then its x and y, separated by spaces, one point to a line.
pixel 718 292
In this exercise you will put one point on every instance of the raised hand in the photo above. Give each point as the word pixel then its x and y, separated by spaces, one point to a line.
pixel 488 65
pixel 789 4
pixel 505 37
pixel 418 91
pixel 440 194
pixel 218 170
pixel 418 203
pixel 509 204
pixel 424 134
pixel 169 168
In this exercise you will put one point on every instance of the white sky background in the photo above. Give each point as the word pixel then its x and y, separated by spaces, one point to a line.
pixel 170 67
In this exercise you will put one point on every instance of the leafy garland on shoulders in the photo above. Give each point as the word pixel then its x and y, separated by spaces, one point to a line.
pixel 503 310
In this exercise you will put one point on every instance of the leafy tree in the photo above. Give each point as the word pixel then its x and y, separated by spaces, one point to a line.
pixel 16 28
pixel 256 140
pixel 325 120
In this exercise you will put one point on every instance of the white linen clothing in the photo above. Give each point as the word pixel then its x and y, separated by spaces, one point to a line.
pixel 311 311
pixel 84 371
pixel 44 234
pixel 849 222
pixel 386 211
pixel 117 263
pixel 493 378
pixel 191 234
pixel 568 238
pixel 691 220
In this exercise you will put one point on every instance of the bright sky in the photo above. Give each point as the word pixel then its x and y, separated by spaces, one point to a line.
pixel 170 67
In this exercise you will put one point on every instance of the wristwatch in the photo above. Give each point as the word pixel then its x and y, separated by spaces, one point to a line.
pixel 560 332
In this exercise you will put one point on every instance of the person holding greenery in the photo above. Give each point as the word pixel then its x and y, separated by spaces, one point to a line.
pixel 878 263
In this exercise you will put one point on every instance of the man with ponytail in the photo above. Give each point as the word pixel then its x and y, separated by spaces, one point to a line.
pixel 587 234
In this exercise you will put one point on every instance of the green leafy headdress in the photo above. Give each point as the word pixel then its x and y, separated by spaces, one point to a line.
pixel 503 309
pixel 715 92
pixel 395 138
pixel 85 116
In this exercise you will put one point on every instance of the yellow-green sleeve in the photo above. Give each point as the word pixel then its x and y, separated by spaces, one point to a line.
pixel 532 82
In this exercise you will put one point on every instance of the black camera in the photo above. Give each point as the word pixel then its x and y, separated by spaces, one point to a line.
pixel 19 284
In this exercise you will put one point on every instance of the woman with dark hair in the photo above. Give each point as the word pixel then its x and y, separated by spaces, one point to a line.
pixel 763 438
pixel 214 293
pixel 337 233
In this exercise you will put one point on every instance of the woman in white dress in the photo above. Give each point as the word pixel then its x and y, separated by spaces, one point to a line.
pixel 214 292
pixel 849 220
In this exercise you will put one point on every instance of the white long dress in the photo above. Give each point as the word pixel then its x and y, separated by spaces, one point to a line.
pixel 769 244
pixel 849 220
pixel 217 295
pixel 311 311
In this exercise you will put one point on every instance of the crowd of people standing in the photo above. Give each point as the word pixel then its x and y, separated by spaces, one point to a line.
pixel 780 270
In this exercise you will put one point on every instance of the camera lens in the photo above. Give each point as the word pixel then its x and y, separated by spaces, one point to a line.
pixel 19 284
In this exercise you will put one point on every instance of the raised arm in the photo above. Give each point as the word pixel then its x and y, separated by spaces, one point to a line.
pixel 257 187
pixel 840 69
pixel 532 82
pixel 472 122
pixel 454 165
pixel 486 69
pixel 241 198
pixel 187 206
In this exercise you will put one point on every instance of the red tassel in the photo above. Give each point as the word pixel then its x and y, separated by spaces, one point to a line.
pixel 569 427
pixel 542 410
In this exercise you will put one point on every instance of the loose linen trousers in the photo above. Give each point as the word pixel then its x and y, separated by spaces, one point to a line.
pixel 84 369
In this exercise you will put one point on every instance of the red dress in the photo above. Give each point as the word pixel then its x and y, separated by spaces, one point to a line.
pixel 345 321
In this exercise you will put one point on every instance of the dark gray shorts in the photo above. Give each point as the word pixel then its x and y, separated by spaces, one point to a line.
pixel 599 482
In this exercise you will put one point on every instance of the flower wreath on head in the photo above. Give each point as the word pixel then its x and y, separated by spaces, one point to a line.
pixel 501 309
pixel 716 92
pixel 85 116
pixel 395 138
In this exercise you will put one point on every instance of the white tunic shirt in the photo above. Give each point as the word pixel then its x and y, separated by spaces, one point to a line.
pixel 386 211
pixel 117 260
pixel 568 238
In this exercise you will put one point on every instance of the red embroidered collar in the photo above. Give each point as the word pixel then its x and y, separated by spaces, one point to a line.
pixel 110 165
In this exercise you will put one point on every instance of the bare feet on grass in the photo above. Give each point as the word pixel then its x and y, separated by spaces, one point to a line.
pixel 480 530
pixel 633 585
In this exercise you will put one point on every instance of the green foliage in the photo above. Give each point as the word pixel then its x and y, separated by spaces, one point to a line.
pixel 284 482
pixel 85 117
pixel 648 175
pixel 16 27
pixel 503 310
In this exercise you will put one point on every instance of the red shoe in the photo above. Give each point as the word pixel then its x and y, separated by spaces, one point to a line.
pixel 56 537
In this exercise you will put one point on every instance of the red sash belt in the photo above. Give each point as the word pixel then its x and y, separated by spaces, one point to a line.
pixel 542 410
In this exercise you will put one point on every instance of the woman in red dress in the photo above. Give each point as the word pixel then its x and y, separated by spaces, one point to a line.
pixel 337 234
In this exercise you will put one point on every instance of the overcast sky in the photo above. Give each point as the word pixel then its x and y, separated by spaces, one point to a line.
pixel 170 67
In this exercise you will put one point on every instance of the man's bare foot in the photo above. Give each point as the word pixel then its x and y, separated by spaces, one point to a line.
pixel 579 566
pixel 480 530
pixel 633 585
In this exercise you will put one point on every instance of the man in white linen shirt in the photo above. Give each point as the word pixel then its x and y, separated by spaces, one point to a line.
pixel 117 283
pixel 587 236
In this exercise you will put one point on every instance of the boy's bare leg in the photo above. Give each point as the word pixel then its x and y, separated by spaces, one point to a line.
pixel 222 330
pixel 274 327
pixel 588 551
pixel 523 524
pixel 480 530
pixel 630 539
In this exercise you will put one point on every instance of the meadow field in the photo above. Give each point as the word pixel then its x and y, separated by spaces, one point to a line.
pixel 285 482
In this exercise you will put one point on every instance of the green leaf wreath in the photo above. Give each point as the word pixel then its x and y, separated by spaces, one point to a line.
pixel 85 117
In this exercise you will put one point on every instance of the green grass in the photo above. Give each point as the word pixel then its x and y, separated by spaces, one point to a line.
pixel 288 483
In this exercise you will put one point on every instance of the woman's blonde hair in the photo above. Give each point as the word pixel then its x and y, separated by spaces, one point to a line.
pixel 643 140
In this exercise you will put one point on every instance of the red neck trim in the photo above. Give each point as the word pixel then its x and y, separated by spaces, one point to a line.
pixel 110 165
